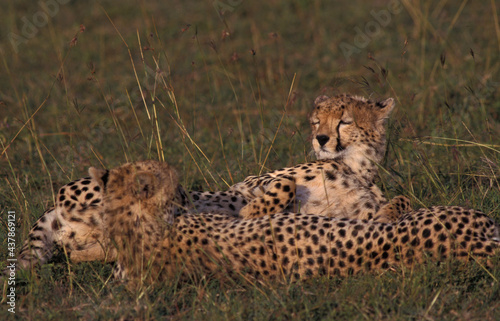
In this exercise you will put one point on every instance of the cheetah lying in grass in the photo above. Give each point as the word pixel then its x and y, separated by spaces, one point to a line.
pixel 349 142
pixel 349 136
pixel 140 198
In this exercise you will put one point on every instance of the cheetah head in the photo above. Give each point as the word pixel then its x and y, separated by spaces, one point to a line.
pixel 348 126
pixel 140 188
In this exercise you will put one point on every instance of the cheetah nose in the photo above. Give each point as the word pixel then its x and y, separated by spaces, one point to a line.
pixel 322 139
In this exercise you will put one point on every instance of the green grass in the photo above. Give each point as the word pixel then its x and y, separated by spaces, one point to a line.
pixel 174 81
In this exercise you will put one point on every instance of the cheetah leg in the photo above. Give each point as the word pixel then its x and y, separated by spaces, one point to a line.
pixel 278 194
pixel 51 232
pixel 39 246
pixel 94 253
pixel 393 210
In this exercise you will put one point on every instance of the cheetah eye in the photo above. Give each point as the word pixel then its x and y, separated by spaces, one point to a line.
pixel 315 122
pixel 344 122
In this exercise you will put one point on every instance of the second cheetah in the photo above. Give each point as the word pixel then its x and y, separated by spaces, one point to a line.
pixel 140 201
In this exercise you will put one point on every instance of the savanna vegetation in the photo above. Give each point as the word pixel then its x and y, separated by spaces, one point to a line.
pixel 222 89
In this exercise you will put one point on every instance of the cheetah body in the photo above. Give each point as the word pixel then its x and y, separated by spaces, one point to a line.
pixel 349 142
pixel 283 245
pixel 74 226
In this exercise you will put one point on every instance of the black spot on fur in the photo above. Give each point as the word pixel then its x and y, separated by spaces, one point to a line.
pixel 56 225
pixel 330 175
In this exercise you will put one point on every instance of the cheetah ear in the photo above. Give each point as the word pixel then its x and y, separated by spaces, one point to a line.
pixel 385 107
pixel 145 185
pixel 100 175
pixel 320 99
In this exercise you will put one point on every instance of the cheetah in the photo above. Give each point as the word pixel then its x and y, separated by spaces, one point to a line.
pixel 75 224
pixel 339 184
pixel 349 142
pixel 153 243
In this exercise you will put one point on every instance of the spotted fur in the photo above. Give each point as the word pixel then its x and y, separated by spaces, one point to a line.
pixel 75 224
pixel 283 245
pixel 349 142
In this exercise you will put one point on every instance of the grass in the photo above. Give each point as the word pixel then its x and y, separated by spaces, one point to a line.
pixel 225 96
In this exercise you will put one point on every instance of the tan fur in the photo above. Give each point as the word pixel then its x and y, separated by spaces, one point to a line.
pixel 349 141
pixel 132 192
pixel 282 246
pixel 75 224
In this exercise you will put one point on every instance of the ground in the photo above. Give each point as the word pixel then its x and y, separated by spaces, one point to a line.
pixel 231 99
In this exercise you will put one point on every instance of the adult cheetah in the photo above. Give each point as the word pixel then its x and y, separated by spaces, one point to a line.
pixel 75 224
pixel 349 142
pixel 139 203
